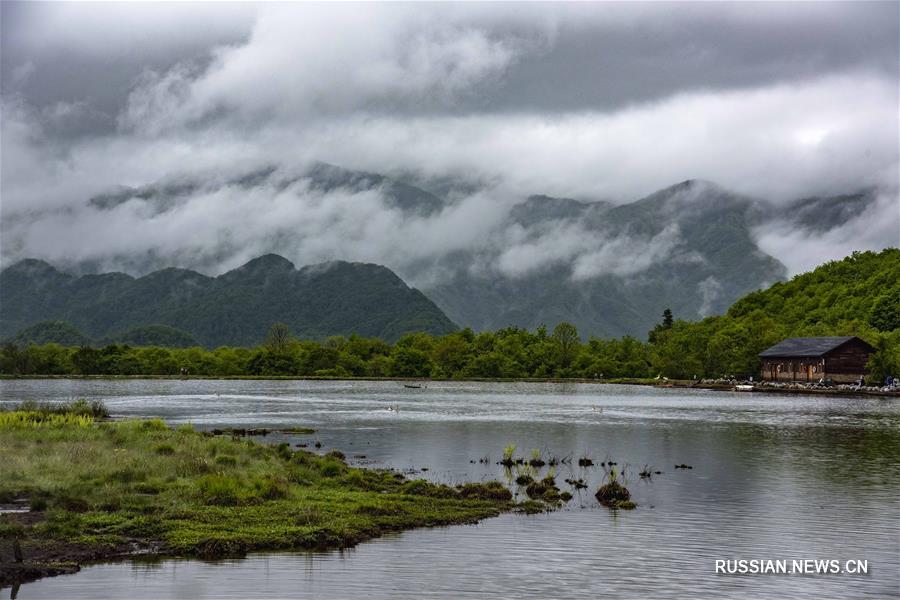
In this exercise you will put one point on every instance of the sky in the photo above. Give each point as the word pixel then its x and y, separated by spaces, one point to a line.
pixel 490 103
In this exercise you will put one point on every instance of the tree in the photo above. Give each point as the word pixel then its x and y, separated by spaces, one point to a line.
pixel 668 320
pixel 13 360
pixel 270 363
pixel 279 338
pixel 450 354
pixel 883 362
pixel 656 334
pixel 410 362
pixel 493 364
pixel 565 336
pixel 87 360
pixel 319 358
pixel 886 312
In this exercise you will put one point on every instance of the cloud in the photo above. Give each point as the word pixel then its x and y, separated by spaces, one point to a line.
pixel 802 250
pixel 587 254
pixel 626 255
pixel 586 101
pixel 295 66
pixel 710 290
pixel 750 141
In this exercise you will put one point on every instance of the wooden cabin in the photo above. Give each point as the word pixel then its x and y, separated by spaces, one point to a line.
pixel 838 359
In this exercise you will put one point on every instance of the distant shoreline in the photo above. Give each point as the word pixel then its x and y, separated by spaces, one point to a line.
pixel 665 384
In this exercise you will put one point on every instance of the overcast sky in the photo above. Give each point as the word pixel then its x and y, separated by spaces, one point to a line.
pixel 593 101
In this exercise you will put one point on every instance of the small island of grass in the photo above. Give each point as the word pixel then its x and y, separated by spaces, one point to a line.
pixel 92 489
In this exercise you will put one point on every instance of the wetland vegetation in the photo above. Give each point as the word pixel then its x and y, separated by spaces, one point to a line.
pixel 90 488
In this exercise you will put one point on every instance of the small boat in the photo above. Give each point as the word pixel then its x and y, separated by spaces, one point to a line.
pixel 743 387
pixel 412 387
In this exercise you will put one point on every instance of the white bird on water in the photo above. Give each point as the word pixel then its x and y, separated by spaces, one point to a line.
pixel 597 409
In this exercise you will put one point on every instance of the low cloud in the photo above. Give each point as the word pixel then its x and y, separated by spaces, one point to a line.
pixel 430 95
pixel 710 290
pixel 626 255
pixel 802 250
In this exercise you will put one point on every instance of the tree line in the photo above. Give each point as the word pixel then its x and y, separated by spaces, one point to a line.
pixel 676 349
pixel 859 295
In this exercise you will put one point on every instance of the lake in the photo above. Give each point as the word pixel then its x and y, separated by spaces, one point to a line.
pixel 773 477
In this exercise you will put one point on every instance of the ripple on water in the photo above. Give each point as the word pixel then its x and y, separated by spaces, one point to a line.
pixel 774 477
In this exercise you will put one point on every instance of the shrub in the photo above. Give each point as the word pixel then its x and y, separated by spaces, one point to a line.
pixel 271 488
pixel 421 487
pixel 226 461
pixel 283 450
pixel 331 467
pixel 220 490
pixel 128 475
pixel 492 490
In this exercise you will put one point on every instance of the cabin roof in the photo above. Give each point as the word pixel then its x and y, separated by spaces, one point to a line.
pixel 811 346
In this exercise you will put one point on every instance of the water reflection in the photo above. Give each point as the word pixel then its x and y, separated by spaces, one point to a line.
pixel 773 477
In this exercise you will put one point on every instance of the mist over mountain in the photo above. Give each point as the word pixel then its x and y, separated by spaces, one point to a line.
pixel 519 164
pixel 178 306
pixel 609 268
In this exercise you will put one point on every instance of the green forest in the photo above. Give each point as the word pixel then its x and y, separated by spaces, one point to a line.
pixel 859 295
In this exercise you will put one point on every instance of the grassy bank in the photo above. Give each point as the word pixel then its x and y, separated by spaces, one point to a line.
pixel 99 489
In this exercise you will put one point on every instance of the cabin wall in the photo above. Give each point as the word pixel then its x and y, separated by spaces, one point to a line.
pixel 848 362
pixel 809 369
pixel 842 365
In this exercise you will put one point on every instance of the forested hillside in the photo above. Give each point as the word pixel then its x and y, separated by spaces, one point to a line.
pixel 859 295
pixel 178 307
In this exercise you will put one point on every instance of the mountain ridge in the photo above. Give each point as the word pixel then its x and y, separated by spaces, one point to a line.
pixel 234 308
pixel 691 247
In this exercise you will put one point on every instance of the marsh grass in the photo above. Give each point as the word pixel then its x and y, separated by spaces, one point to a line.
pixel 82 407
pixel 19 419
pixel 102 484
pixel 613 494
pixel 537 459
pixel 29 414
pixel 509 453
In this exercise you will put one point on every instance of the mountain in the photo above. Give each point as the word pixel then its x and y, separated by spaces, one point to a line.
pixel 152 335
pixel 611 269
pixel 321 177
pixel 821 214
pixel 688 247
pixel 235 308
pixel 50 332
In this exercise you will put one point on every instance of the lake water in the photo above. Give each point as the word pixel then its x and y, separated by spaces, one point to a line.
pixel 774 477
